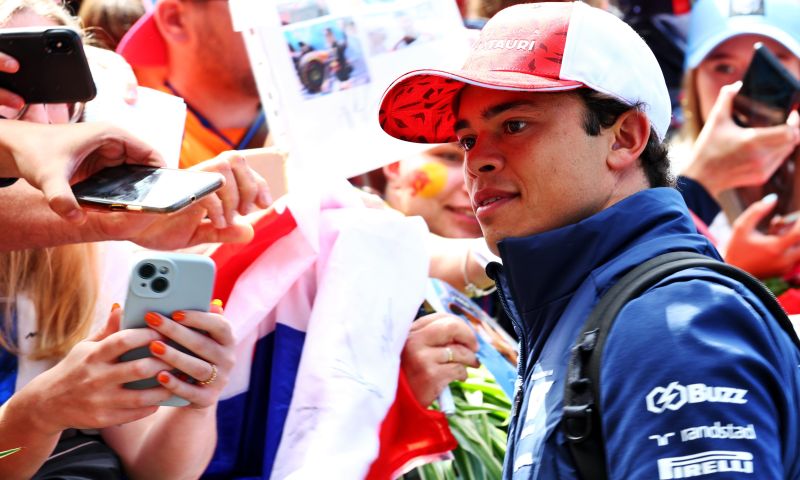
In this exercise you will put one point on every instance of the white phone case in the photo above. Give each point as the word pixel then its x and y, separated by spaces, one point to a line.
pixel 165 282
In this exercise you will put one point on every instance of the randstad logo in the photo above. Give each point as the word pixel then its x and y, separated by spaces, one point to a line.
pixel 675 395
pixel 515 44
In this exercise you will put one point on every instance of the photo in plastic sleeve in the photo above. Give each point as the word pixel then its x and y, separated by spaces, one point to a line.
pixel 412 26
pixel 328 56
pixel 293 11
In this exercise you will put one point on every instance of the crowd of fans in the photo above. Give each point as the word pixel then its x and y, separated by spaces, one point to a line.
pixel 560 171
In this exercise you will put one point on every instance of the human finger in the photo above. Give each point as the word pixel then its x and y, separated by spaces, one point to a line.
pixel 229 193
pixel 8 64
pixel 196 342
pixel 236 233
pixel 214 210
pixel 199 396
pixel 248 187
pixel 450 329
pixel 126 340
pixel 112 325
pixel 457 353
pixel 723 106
pixel 214 324
pixel 752 216
pixel 423 321
pixel 139 369
pixel 11 104
pixel 197 368
pixel 59 196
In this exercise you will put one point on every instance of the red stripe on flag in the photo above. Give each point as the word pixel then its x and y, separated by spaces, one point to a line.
pixel 409 431
pixel 233 259
pixel 680 7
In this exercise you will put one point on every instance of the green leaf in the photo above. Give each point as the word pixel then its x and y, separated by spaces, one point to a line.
pixel 10 452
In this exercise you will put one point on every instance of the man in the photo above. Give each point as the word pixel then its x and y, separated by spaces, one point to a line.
pixel 189 49
pixel 561 109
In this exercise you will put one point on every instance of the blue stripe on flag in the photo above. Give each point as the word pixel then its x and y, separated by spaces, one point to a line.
pixel 250 424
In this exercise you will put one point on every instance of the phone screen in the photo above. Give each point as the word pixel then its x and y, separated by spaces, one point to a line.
pixel 136 187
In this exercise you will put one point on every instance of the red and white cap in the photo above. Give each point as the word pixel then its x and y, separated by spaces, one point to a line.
pixel 541 47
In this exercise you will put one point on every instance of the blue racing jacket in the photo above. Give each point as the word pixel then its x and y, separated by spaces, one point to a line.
pixel 697 380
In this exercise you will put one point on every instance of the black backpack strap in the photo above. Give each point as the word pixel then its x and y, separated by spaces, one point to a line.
pixel 581 419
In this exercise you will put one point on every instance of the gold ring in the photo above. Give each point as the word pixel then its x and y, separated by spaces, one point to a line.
pixel 211 378
pixel 449 352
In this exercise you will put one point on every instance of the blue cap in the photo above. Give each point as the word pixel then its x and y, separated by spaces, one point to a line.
pixel 715 21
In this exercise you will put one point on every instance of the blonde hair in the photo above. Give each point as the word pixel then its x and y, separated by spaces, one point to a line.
pixel 61 282
pixel 44 8
pixel 690 104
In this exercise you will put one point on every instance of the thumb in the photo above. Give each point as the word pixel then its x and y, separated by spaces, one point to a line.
pixel 112 326
pixel 61 200
pixel 723 107
pixel 750 218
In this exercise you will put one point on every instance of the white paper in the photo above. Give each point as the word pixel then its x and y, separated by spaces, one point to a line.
pixel 330 127
pixel 156 118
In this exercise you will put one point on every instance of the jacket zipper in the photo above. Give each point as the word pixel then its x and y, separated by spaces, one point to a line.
pixel 523 348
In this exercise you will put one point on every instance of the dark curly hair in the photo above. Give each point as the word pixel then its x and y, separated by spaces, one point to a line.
pixel 602 111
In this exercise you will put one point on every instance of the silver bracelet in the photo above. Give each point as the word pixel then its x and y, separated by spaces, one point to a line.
pixel 472 290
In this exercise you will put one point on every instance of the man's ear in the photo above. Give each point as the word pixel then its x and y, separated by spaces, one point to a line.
pixel 630 134
pixel 169 16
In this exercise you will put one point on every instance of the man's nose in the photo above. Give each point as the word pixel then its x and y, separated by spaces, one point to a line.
pixel 483 158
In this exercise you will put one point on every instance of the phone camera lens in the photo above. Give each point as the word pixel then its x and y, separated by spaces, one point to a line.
pixel 147 270
pixel 58 43
pixel 159 284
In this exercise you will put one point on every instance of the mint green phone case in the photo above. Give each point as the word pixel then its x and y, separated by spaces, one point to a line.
pixel 165 282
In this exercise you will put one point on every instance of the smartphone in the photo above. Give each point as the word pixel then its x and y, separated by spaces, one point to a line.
pixel 53 65
pixel 140 188
pixel 768 94
pixel 164 282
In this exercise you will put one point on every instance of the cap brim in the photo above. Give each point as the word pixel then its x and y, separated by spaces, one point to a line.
pixel 766 30
pixel 143 45
pixel 418 107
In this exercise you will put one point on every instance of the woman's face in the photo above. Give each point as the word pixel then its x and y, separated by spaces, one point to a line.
pixel 727 64
pixel 39 113
pixel 431 185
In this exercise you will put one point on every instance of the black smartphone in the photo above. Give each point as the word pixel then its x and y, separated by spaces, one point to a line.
pixel 139 188
pixel 53 65
pixel 768 94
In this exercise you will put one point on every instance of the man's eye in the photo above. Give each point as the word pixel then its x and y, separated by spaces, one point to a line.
pixel 466 143
pixel 515 126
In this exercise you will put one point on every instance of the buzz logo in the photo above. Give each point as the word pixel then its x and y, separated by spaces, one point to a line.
pixel 705 463
pixel 674 396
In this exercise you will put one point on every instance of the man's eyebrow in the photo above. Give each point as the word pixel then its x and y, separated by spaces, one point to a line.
pixel 495 110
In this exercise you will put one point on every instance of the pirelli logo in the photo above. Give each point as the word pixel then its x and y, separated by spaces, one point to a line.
pixel 705 463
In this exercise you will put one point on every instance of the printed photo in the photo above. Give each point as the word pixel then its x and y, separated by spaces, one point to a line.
pixel 327 56
pixel 293 11
pixel 392 31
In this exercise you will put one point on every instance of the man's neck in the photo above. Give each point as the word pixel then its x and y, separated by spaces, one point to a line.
pixel 223 107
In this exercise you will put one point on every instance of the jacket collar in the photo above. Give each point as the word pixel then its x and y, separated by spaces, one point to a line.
pixel 549 266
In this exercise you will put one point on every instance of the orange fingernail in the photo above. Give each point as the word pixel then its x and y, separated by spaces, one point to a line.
pixel 152 319
pixel 179 316
pixel 115 307
pixel 163 377
pixel 217 302
pixel 158 348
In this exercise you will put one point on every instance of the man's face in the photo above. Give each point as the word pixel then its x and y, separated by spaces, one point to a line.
pixel 219 48
pixel 530 166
